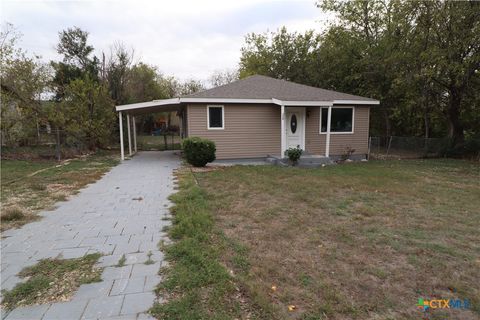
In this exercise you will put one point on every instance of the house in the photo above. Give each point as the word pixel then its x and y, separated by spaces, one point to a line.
pixel 259 116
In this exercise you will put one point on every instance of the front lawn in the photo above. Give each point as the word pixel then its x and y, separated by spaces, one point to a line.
pixel 31 185
pixel 353 241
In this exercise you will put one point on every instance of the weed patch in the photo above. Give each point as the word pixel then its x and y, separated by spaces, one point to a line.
pixel 196 285
pixel 52 280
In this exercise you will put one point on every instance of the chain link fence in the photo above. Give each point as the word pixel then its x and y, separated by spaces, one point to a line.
pixel 405 147
pixel 165 141
pixel 44 144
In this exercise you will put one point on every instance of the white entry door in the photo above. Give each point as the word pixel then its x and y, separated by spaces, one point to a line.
pixel 295 127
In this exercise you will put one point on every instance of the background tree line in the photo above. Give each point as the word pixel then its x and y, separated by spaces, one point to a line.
pixel 421 59
pixel 76 95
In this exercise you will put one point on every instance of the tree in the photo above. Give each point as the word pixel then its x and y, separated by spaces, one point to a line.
pixel 86 113
pixel 118 71
pixel 189 86
pixel 283 55
pixel 144 84
pixel 220 78
pixel 454 56
pixel 421 59
pixel 77 61
pixel 432 45
pixel 23 81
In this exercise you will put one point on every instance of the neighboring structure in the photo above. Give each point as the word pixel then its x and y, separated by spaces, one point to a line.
pixel 259 116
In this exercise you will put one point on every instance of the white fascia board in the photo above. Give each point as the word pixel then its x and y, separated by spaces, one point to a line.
pixel 306 103
pixel 155 103
pixel 142 105
pixel 356 102
pixel 258 101
pixel 223 100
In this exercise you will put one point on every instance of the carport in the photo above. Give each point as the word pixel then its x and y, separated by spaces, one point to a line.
pixel 135 109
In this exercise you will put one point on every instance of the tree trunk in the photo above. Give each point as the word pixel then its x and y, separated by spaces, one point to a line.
pixel 387 123
pixel 427 125
pixel 453 114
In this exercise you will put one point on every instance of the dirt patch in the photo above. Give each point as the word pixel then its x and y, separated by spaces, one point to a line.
pixel 35 185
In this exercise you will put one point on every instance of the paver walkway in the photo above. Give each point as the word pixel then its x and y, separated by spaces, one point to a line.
pixel 121 214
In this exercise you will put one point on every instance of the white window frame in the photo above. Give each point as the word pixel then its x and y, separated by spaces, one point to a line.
pixel 208 117
pixel 338 107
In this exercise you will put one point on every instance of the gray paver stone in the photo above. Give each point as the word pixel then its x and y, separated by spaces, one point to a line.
pixel 102 308
pixel 128 285
pixel 137 302
pixel 94 290
pixel 66 310
pixel 28 313
pixel 114 273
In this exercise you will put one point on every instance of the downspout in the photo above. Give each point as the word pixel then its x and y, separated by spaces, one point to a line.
pixel 120 125
pixel 134 134
pixel 282 128
pixel 129 136
pixel 327 143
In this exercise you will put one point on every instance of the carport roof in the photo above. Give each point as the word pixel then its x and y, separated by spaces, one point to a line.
pixel 255 90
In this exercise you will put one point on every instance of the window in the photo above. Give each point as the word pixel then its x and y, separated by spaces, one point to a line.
pixel 215 117
pixel 342 120
pixel 293 123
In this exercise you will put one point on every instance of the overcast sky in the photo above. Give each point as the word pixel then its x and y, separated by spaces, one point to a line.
pixel 188 39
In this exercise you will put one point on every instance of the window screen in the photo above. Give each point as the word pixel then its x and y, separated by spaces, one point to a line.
pixel 215 117
pixel 342 120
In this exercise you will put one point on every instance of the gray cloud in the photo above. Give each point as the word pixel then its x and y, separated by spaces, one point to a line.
pixel 188 39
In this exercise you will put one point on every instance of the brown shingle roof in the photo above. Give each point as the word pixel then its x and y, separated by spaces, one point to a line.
pixel 262 87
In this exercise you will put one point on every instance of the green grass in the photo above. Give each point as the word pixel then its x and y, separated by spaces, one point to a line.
pixel 30 186
pixel 353 241
pixel 52 280
pixel 157 143
pixel 121 261
pixel 149 258
pixel 197 285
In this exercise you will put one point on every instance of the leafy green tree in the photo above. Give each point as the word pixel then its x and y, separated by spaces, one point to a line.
pixel 282 55
pixel 86 113
pixel 419 58
pixel 77 60
pixel 23 81
pixel 144 84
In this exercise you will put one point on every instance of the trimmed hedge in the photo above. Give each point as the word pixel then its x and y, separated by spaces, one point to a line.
pixel 198 152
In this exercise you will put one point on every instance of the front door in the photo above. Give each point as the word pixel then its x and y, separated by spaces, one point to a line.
pixel 294 127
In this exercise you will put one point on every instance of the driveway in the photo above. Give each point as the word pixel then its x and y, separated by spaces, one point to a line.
pixel 121 214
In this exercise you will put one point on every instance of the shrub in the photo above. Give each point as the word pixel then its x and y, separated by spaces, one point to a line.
pixel 294 154
pixel 198 152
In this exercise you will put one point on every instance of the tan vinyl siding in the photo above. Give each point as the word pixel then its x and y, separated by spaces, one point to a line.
pixel 315 142
pixel 251 131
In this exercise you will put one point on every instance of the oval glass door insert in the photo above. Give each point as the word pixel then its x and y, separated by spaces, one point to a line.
pixel 293 123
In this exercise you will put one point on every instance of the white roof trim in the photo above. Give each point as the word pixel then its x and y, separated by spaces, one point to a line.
pixel 287 103
pixel 224 100
pixel 356 102
pixel 142 105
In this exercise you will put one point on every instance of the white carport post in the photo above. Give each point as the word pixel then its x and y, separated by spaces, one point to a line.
pixel 120 124
pixel 327 143
pixel 282 127
pixel 129 136
pixel 134 134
